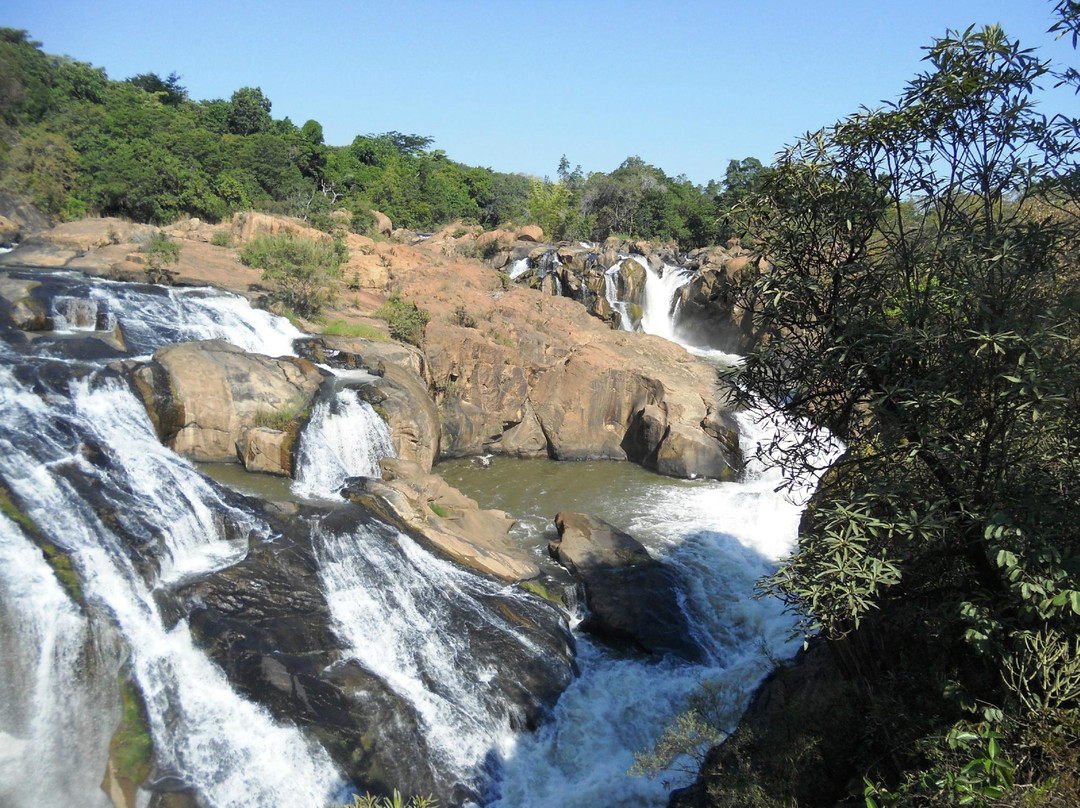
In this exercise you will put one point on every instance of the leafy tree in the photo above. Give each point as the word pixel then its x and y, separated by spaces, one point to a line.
pixel 169 90
pixel 922 306
pixel 249 112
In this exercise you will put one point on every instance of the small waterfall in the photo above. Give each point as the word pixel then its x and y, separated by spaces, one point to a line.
pixel 519 268
pixel 150 317
pixel 619 306
pixel 344 438
pixel 658 308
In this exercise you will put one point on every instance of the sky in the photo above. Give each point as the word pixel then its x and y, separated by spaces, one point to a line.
pixel 686 86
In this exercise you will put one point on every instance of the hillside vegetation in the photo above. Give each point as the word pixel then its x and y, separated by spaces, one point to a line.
pixel 77 142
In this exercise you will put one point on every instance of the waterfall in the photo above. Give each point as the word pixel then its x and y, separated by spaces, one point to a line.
pixel 658 314
pixel 149 317
pixel 390 600
pixel 344 438
pixel 120 514
pixel 519 268
pixel 718 538
pixel 58 731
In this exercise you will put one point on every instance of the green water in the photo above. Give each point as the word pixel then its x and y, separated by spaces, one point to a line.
pixel 533 491
pixel 264 486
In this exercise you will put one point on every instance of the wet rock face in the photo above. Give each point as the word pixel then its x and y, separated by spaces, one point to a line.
pixel 267 622
pixel 632 597
pixel 448 521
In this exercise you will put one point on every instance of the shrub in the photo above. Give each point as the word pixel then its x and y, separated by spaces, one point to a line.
pixel 462 317
pixel 406 319
pixel 302 272
pixel 281 419
pixel 221 238
pixel 160 250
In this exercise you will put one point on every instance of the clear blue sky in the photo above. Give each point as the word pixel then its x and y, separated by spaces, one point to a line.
pixel 512 85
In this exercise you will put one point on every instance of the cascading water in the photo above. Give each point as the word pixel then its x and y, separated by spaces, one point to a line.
pixel 85 465
pixel 658 299
pixel 149 317
pixel 718 538
pixel 166 516
pixel 344 438
pixel 58 732
pixel 446 671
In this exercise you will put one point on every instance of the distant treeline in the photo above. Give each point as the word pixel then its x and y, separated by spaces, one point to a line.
pixel 77 143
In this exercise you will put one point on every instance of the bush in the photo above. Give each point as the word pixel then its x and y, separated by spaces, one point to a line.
pixel 302 272
pixel 406 319
pixel 160 250
pixel 221 238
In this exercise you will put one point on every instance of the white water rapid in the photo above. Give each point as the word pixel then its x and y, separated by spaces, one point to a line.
pixel 227 748
pixel 658 301
pixel 719 538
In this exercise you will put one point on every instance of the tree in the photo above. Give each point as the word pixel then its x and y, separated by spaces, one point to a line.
pixel 249 111
pixel 922 306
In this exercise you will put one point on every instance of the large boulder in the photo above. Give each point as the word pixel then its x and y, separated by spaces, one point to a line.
pixel 448 521
pixel 206 397
pixel 632 598
pixel 531 232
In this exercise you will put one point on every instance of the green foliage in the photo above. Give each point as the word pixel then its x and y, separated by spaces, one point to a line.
pixel 160 250
pixel 249 112
pixel 406 319
pixel 921 307
pixel 548 593
pixel 302 272
pixel 221 238
pixel 396 801
pixel 682 745
pixel 282 419
pixel 131 747
pixel 340 328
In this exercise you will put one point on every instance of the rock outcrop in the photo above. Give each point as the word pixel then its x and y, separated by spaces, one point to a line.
pixel 631 597
pixel 542 378
pixel 210 400
pixel 447 520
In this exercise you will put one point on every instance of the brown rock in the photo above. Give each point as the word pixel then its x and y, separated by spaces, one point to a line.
pixel 631 596
pixel 449 521
pixel 267 450
pixel 214 392
pixel 531 232
pixel 689 452
pixel 585 409
pixel 383 223
pixel 524 439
